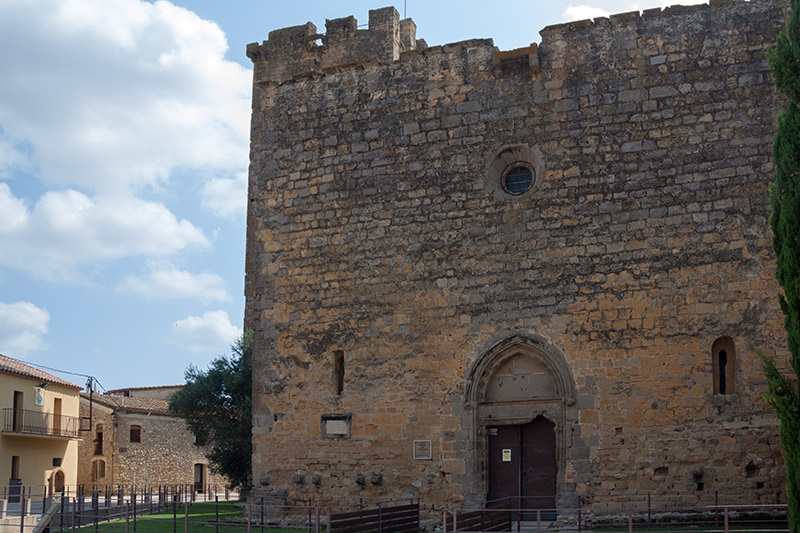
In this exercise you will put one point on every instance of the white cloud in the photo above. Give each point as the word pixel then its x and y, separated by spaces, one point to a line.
pixel 67 228
pixel 226 197
pixel 12 158
pixel 112 95
pixel 168 282
pixel 667 3
pixel 22 328
pixel 14 212
pixel 582 12
pixel 605 8
pixel 211 332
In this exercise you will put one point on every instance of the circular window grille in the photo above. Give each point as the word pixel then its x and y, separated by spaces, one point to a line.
pixel 517 179
pixel 515 171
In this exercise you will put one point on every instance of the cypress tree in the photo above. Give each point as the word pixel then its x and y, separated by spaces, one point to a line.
pixel 782 389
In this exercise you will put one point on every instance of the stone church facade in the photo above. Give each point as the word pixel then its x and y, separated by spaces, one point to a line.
pixel 542 272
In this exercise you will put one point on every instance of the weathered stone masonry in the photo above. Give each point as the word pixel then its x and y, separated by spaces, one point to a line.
pixel 379 228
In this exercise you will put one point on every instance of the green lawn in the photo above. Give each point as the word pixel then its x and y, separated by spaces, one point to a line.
pixel 201 517
pixel 696 529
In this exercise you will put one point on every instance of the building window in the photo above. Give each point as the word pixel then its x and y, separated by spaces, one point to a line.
pixel 723 361
pixel 98 469
pixel 98 440
pixel 136 434
pixel 517 179
pixel 515 170
pixel 338 372
pixel 15 467
pixel 56 462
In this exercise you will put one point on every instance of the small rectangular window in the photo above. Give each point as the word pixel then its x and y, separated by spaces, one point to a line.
pixel 56 462
pixel 98 470
pixel 15 467
pixel 98 440
pixel 136 434
pixel 338 372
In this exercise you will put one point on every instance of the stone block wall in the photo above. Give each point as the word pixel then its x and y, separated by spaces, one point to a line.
pixel 166 454
pixel 377 231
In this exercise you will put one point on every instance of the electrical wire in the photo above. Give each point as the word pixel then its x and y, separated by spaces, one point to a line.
pixel 94 379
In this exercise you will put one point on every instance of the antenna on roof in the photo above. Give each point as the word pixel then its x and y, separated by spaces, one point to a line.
pixel 404 9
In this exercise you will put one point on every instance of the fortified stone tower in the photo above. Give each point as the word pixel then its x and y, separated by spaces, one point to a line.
pixel 541 272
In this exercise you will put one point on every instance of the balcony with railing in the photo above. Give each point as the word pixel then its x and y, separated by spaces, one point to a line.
pixel 38 423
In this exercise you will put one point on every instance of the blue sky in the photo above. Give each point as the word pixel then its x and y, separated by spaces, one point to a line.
pixel 123 160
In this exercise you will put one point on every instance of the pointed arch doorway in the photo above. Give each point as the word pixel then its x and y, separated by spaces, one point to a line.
pixel 522 395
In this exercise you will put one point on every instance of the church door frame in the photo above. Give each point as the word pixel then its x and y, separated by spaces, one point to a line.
pixel 558 408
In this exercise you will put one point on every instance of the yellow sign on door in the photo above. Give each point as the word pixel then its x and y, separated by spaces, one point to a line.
pixel 507 455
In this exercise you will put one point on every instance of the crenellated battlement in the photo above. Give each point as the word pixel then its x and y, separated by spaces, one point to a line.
pixel 300 50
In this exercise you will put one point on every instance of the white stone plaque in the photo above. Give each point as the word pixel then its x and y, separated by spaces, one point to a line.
pixel 336 427
pixel 422 449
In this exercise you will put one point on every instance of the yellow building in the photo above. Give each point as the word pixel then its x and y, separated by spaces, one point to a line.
pixel 40 428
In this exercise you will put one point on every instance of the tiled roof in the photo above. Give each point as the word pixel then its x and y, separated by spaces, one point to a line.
pixel 118 391
pixel 15 366
pixel 128 403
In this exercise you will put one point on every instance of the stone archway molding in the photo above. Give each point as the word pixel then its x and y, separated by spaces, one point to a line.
pixel 534 346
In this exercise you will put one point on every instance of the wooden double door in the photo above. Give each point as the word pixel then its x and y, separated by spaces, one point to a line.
pixel 522 464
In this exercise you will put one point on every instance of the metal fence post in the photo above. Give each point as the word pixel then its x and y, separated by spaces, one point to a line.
pixel 127 518
pixel 262 514
pixel 538 520
pixel 316 526
pixel 186 517
pixel 72 519
pixel 249 508
pixel 726 520
pixel 216 511
pixel 328 523
pixel 455 520
pixel 95 508
pixel 61 514
pixel 630 522
pixel 649 512
pixel 444 520
pixel 22 510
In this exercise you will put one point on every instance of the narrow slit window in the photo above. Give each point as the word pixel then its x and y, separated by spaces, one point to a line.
pixel 338 372
pixel 722 359
pixel 723 363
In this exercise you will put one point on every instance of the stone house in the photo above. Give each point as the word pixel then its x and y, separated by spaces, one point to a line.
pixel 541 273
pixel 135 441
pixel 41 429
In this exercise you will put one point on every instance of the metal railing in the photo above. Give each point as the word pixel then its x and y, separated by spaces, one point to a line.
pixel 515 514
pixel 29 422
pixel 23 509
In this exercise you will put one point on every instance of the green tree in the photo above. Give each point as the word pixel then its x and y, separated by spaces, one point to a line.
pixel 217 406
pixel 783 394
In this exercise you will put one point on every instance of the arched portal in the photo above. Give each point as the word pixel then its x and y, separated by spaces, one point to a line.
pixel 56 482
pixel 522 397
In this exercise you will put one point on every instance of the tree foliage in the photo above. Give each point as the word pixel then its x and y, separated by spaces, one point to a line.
pixel 217 406
pixel 783 394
